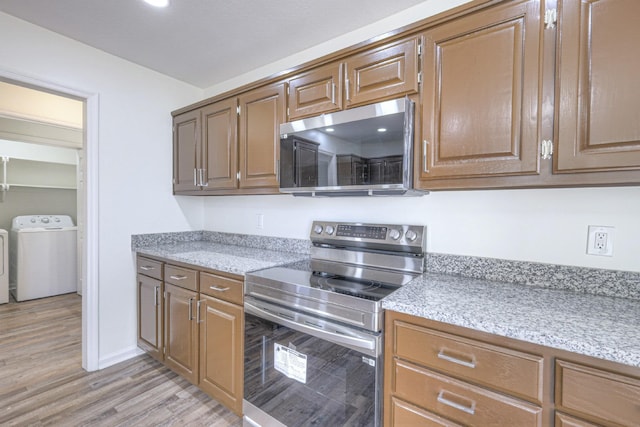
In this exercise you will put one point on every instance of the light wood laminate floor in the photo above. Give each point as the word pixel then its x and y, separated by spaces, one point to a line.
pixel 42 382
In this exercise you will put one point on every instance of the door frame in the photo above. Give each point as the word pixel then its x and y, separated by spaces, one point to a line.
pixel 90 258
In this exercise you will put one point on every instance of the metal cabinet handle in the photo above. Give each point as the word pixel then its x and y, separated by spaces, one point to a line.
pixel 178 277
pixel 198 320
pixel 468 409
pixel 203 181
pixel 348 89
pixel 195 177
pixel 147 268
pixel 155 295
pixel 425 168
pixel 190 308
pixel 333 93
pixel 278 170
pixel 443 356
pixel 217 289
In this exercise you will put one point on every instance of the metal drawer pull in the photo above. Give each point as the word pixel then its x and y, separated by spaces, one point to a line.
pixel 443 356
pixel 178 277
pixel 468 409
pixel 147 267
pixel 215 288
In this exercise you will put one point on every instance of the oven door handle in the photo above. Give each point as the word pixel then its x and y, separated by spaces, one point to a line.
pixel 363 343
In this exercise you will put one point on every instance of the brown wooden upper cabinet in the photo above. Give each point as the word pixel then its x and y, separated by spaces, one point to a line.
pixel 381 73
pixel 481 95
pixel 231 145
pixel 597 86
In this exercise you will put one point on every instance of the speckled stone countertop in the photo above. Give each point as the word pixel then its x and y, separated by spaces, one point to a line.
pixel 593 325
pixel 218 256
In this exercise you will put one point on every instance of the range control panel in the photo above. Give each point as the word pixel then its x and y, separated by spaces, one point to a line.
pixel 372 235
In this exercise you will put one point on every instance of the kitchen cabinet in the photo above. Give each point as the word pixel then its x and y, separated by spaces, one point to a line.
pixel 221 339
pixel 384 72
pixel 596 395
pixel 262 111
pixel 352 169
pixel 482 77
pixel 150 307
pixel 200 332
pixel 180 322
pixel 230 146
pixel 441 374
pixel 385 170
pixel 465 381
pixel 597 86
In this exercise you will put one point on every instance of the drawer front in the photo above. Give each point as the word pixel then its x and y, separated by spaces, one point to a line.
pixel 506 370
pixel 597 395
pixel 563 420
pixel 149 267
pixel 406 414
pixel 459 401
pixel 224 288
pixel 182 277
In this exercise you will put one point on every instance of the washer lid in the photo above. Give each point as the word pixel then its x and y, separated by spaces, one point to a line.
pixel 41 221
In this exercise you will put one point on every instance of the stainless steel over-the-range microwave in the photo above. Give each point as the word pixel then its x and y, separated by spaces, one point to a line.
pixel 363 151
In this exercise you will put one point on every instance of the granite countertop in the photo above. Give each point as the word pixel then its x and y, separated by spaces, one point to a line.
pixel 599 326
pixel 220 256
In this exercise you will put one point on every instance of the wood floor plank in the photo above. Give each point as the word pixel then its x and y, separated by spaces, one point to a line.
pixel 42 382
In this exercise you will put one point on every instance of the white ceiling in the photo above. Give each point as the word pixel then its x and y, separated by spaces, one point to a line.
pixel 203 42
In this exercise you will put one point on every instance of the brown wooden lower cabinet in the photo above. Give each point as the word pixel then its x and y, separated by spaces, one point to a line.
pixel 221 358
pixel 438 374
pixel 195 326
pixel 181 332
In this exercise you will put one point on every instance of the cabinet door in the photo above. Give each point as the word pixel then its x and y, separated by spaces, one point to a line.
pixel 186 151
pixel 181 332
pixel 481 94
pixel 315 92
pixel 150 316
pixel 220 145
pixel 597 86
pixel 221 358
pixel 383 73
pixel 261 112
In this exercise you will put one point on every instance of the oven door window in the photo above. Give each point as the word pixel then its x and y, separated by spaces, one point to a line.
pixel 302 380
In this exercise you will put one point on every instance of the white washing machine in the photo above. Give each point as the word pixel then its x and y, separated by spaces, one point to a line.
pixel 4 267
pixel 43 256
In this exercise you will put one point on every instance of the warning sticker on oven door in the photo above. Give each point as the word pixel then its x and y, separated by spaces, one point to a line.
pixel 290 362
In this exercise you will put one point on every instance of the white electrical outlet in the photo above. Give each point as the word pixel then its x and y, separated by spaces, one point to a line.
pixel 600 240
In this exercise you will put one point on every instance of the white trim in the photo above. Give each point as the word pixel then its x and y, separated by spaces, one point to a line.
pixel 120 356
pixel 90 301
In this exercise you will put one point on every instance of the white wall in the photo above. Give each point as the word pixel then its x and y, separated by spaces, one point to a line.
pixel 545 225
pixel 135 157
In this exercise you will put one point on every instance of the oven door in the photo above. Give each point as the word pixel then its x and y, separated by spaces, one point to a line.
pixel 301 371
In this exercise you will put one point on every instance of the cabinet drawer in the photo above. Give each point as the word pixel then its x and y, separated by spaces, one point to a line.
pixel 226 289
pixel 597 395
pixel 182 277
pixel 149 267
pixel 507 370
pixel 406 414
pixel 563 420
pixel 459 401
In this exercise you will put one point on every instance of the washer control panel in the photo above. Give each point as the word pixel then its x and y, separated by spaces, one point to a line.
pixel 41 221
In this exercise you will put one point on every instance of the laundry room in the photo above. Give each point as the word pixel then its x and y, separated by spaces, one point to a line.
pixel 41 140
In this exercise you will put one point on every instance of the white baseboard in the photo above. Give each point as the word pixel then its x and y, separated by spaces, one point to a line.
pixel 121 356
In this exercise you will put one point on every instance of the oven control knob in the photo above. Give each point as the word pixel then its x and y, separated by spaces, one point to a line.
pixel 317 229
pixel 329 229
pixel 394 234
pixel 411 235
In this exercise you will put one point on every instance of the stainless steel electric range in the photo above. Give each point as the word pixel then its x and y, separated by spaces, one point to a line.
pixel 313 329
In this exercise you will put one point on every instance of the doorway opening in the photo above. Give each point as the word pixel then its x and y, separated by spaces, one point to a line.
pixel 48 145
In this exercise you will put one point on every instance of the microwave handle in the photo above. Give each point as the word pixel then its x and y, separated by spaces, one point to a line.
pixel 363 343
